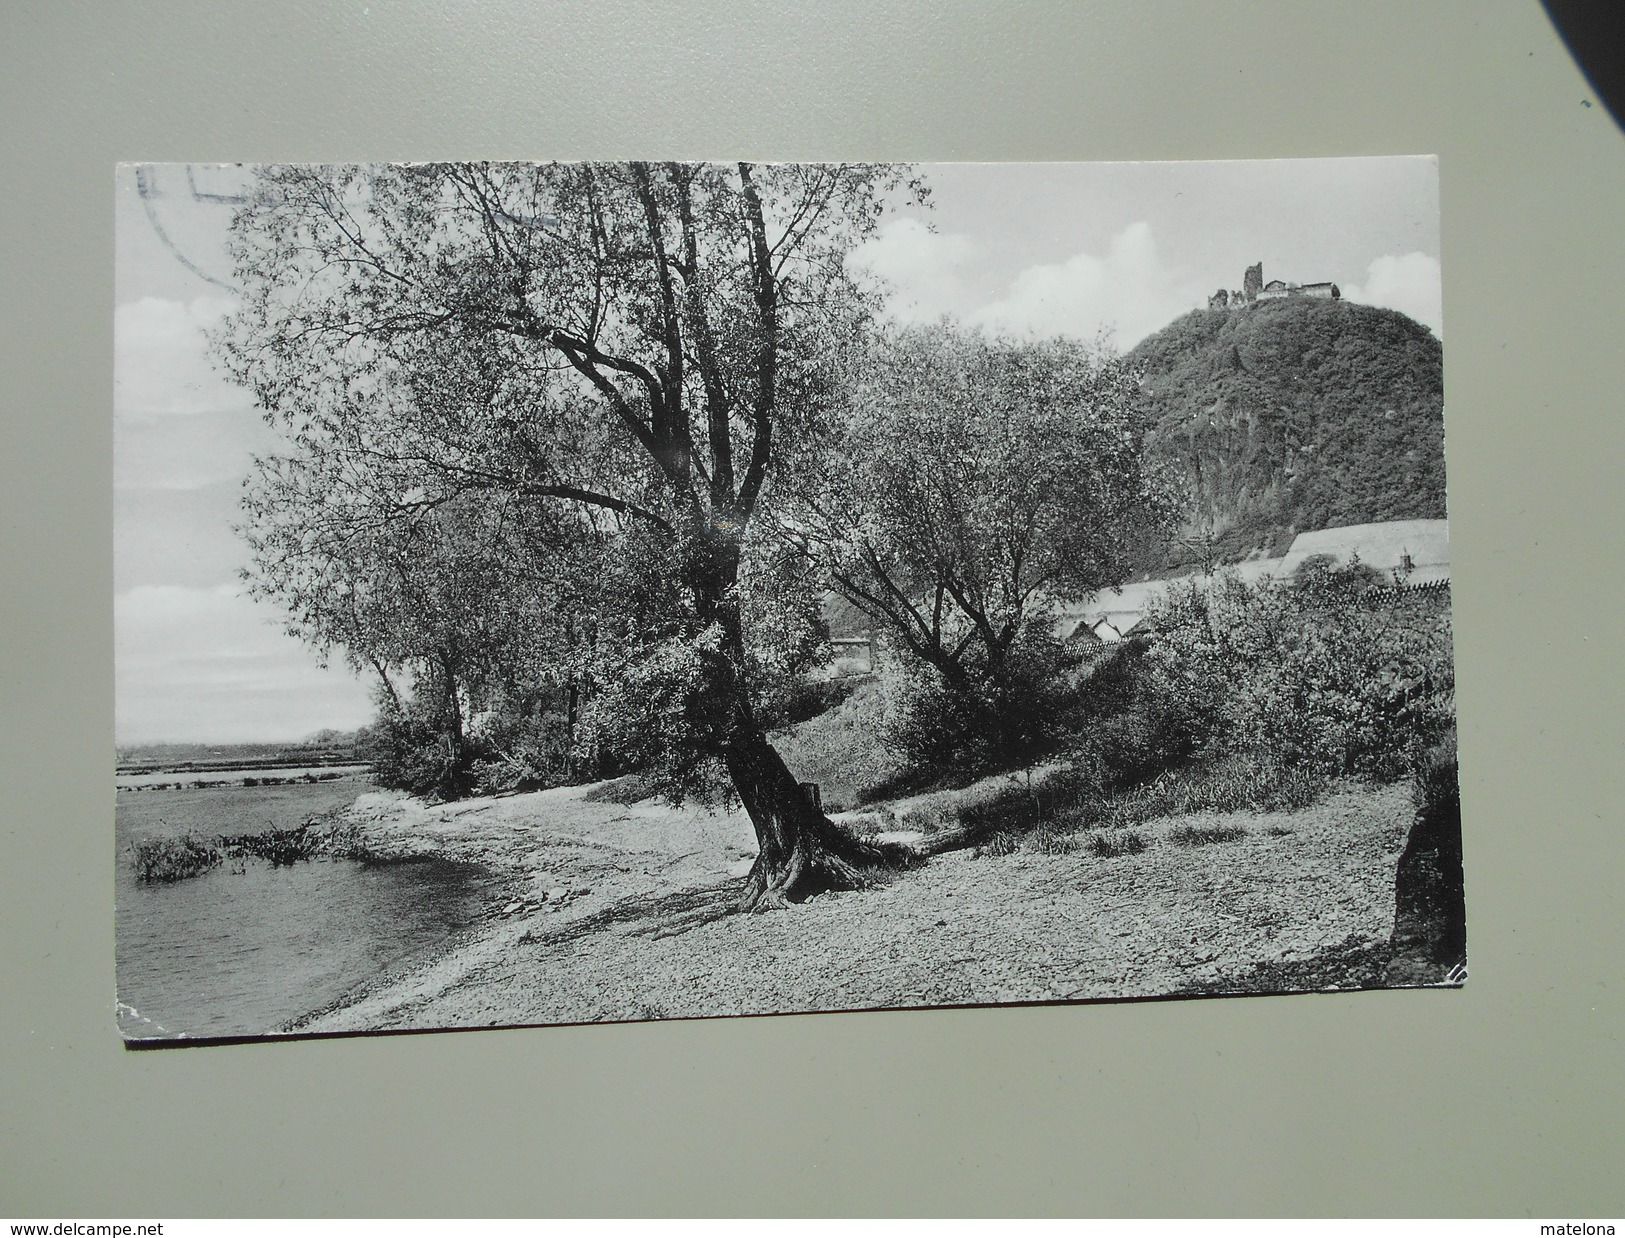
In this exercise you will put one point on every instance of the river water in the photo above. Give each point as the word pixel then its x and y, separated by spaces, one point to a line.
pixel 245 948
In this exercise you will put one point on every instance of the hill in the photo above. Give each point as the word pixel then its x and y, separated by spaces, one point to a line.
pixel 1293 415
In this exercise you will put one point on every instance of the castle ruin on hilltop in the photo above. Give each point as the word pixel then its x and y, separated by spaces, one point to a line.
pixel 1254 289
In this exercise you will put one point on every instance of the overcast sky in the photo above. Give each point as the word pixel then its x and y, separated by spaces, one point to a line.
pixel 1021 248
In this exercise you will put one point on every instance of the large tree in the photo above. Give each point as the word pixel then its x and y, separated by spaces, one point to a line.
pixel 972 483
pixel 644 349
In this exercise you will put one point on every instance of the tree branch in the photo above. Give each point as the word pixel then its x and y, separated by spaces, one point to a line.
pixel 705 348
pixel 766 294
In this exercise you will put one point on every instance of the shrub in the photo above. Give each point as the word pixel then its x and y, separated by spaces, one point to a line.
pixel 1112 843
pixel 173 859
pixel 1331 672
pixel 1204 835
pixel 522 742
pixel 994 719
pixel 519 740
pixel 419 756
pixel 1154 732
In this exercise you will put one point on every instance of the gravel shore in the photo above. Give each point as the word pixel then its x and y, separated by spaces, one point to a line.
pixel 615 913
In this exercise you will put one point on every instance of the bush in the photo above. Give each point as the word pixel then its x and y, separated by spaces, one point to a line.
pixel 1153 731
pixel 173 859
pixel 421 757
pixel 1205 835
pixel 1112 843
pixel 996 719
pixel 1331 672
pixel 522 742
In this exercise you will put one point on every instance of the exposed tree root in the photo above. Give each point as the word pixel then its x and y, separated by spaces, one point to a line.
pixel 824 857
pixel 801 852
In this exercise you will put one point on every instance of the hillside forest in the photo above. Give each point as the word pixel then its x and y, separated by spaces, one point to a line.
pixel 1291 415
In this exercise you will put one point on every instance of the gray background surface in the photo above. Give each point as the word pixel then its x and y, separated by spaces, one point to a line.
pixel 1504 1098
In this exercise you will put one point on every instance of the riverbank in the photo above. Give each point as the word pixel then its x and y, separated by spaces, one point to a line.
pixel 615 912
pixel 273 919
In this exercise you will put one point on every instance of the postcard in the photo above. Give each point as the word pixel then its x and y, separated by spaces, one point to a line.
pixel 576 592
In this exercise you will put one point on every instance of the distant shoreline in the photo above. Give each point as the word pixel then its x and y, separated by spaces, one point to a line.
pixel 224 764
pixel 263 775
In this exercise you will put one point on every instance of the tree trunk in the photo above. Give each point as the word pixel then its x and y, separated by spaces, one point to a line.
pixel 1429 940
pixel 801 851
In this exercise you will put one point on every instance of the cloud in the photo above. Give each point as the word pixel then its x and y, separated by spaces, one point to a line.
pixel 1129 292
pixel 161 363
pixel 177 424
pixel 1409 283
pixel 925 269
pixel 210 664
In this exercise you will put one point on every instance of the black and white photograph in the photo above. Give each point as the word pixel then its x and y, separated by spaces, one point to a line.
pixel 595 592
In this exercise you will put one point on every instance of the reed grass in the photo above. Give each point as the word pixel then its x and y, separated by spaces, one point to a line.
pixel 174 859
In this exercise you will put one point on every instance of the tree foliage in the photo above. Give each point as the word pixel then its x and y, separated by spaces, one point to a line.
pixel 973 483
pixel 634 356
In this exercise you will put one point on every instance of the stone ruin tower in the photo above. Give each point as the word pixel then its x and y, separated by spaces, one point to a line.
pixel 1253 282
pixel 1253 290
pixel 1252 285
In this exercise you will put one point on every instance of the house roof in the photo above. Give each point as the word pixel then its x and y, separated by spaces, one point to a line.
pixel 1382 546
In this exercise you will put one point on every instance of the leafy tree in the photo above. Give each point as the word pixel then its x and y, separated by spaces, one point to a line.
pixel 440 599
pixel 644 352
pixel 974 483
